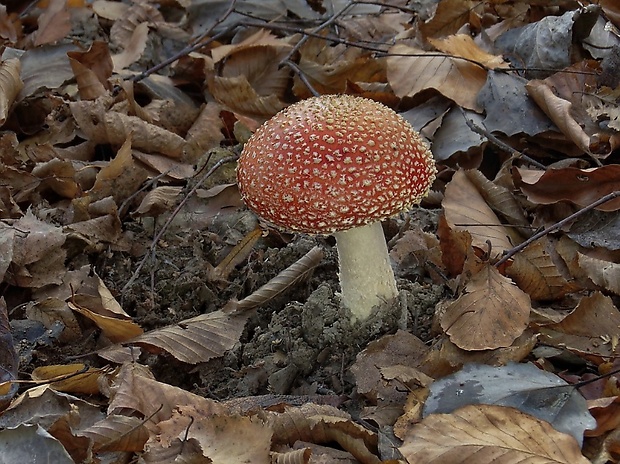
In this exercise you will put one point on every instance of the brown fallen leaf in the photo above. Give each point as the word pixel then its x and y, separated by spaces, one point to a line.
pixel 330 69
pixel 11 84
pixel 116 329
pixel 92 69
pixel 449 17
pixel 198 339
pixel 117 433
pixel 321 424
pixel 464 46
pixel 38 255
pixel 492 312
pixel 412 70
pixel 54 23
pixel 9 360
pixel 592 329
pixel 536 273
pixel 604 273
pixel 580 186
pixel 222 437
pixel 466 209
pixel 73 378
pixel 559 111
pixel 133 49
pixel 488 434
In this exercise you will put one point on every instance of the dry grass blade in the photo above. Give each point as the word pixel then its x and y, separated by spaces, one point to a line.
pixel 282 281
pixel 238 254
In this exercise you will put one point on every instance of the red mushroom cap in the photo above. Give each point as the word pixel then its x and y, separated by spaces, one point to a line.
pixel 332 163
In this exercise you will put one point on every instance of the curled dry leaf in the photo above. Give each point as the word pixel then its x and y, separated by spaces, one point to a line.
pixel 11 84
pixel 462 45
pixel 559 111
pixel 488 434
pixel 403 349
pixel 125 25
pixel 92 69
pixel 133 49
pixel 499 198
pixel 466 209
pixel 580 186
pixel 73 378
pixel 135 389
pixel 449 17
pixel 38 255
pixel 605 274
pixel 102 125
pixel 322 424
pixel 59 176
pixel 116 329
pixel 331 69
pixel 158 201
pixel 492 313
pixel 238 94
pixel 289 276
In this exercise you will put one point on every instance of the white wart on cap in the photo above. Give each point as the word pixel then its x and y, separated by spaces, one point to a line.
pixel 332 163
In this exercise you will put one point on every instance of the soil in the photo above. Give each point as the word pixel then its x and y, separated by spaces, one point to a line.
pixel 299 343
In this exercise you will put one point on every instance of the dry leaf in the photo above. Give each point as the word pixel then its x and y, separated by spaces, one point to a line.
pixel 198 339
pixel 133 49
pixel 418 70
pixel 492 313
pixel 92 70
pixel 465 209
pixel 54 23
pixel 117 433
pixel 72 378
pixel 11 84
pixel 536 273
pixel 488 434
pixel 581 186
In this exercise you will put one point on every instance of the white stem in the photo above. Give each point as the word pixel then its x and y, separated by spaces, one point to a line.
pixel 366 275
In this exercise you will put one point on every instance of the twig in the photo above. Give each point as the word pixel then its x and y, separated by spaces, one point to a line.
pixel 198 44
pixel 513 251
pixel 176 211
pixel 504 146
pixel 302 76
pixel 317 30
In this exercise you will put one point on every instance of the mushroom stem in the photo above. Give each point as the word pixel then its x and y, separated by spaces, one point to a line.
pixel 366 275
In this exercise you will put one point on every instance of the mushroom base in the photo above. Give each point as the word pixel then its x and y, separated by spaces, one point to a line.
pixel 366 275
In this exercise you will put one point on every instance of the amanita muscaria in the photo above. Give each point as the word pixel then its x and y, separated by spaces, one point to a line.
pixel 339 164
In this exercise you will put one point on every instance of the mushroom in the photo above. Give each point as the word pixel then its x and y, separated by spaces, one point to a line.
pixel 339 164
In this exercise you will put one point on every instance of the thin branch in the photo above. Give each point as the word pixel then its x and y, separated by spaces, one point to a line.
pixel 176 211
pixel 198 44
pixel 515 153
pixel 552 228
pixel 317 30
pixel 302 76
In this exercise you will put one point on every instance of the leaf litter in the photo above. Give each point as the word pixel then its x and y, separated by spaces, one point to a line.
pixel 146 314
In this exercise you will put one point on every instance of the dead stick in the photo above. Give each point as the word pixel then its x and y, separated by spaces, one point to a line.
pixel 510 253
pixel 176 211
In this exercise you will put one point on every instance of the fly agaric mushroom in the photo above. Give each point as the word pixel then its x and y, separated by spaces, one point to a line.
pixel 339 164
